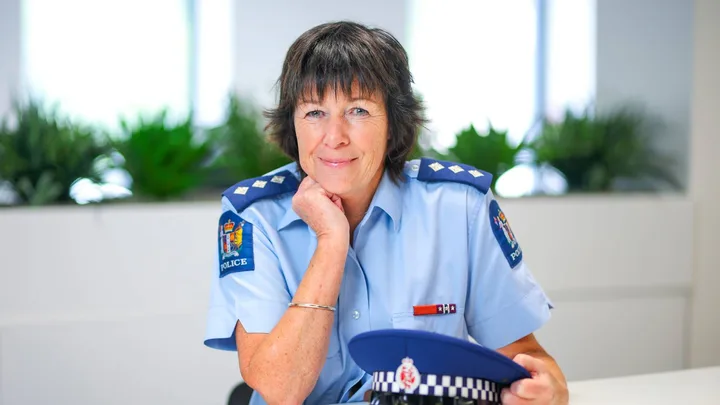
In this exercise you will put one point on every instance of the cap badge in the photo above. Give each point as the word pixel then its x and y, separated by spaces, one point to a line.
pixel 407 375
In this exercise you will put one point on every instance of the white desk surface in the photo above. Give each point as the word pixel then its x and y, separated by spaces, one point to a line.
pixel 700 386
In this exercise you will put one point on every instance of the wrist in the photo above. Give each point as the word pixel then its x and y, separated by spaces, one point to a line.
pixel 334 251
pixel 564 396
pixel 337 241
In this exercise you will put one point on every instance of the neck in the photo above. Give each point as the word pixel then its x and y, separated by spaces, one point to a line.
pixel 356 205
pixel 355 210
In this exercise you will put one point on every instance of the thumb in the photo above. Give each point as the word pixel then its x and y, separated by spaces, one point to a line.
pixel 531 364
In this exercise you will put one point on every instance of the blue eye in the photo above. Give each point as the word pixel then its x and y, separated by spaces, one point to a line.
pixel 359 111
pixel 314 114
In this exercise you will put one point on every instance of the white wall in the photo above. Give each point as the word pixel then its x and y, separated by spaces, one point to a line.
pixel 107 306
pixel 644 55
pixel 704 185
pixel 620 279
pixel 667 54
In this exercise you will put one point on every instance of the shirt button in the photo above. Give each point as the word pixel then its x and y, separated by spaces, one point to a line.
pixel 356 314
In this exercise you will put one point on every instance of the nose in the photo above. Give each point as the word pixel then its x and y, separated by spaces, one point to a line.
pixel 335 133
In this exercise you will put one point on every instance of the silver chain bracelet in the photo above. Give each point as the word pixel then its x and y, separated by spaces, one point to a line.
pixel 313 306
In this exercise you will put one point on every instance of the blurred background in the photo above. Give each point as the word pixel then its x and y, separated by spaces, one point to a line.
pixel 122 121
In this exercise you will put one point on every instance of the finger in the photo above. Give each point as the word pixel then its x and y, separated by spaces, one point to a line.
pixel 531 364
pixel 535 388
pixel 508 398
pixel 337 201
pixel 306 183
pixel 317 188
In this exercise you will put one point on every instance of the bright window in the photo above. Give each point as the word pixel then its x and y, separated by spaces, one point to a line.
pixel 570 71
pixel 214 28
pixel 475 62
pixel 100 60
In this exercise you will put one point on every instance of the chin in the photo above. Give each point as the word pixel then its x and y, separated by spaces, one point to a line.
pixel 337 186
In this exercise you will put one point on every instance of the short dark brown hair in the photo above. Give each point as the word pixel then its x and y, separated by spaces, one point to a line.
pixel 335 56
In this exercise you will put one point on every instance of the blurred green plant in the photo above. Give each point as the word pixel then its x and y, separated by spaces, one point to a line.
pixel 42 153
pixel 488 151
pixel 165 160
pixel 242 149
pixel 594 152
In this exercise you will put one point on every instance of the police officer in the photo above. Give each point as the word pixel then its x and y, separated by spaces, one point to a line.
pixel 351 237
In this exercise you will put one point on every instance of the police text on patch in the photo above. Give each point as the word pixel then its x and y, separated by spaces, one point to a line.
pixel 235 244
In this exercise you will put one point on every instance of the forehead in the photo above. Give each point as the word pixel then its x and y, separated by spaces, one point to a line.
pixel 313 94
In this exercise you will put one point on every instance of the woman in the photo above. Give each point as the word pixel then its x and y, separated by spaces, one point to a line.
pixel 352 238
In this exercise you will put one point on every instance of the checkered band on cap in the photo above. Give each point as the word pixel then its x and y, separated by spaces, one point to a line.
pixel 439 386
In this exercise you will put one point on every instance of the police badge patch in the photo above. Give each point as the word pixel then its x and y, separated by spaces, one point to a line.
pixel 235 244
pixel 504 235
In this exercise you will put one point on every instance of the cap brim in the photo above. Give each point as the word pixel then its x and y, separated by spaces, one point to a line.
pixel 432 353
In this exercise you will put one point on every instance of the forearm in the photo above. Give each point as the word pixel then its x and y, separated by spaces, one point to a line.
pixel 286 365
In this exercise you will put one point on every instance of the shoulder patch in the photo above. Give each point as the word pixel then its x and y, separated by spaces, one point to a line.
pixel 246 192
pixel 235 244
pixel 431 170
pixel 504 235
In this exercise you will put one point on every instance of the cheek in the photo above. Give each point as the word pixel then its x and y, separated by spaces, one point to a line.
pixel 380 144
pixel 304 137
pixel 373 137
pixel 306 141
pixel 375 150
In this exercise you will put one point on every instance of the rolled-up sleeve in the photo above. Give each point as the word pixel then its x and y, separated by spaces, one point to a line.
pixel 247 282
pixel 504 302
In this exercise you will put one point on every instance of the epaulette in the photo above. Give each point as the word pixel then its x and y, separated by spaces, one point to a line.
pixel 432 170
pixel 246 192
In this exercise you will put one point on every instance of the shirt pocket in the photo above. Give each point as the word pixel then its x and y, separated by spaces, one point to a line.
pixel 447 324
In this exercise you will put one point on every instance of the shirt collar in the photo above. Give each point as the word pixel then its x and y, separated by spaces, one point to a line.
pixel 289 217
pixel 388 197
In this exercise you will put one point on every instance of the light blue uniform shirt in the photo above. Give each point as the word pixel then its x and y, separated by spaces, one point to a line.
pixel 438 238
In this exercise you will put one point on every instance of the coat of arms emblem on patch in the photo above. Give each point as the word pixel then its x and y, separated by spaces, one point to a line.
pixel 232 238
pixel 502 223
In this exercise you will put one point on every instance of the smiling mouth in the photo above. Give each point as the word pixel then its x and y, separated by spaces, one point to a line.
pixel 337 162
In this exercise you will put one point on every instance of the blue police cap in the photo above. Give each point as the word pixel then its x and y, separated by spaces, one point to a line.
pixel 421 363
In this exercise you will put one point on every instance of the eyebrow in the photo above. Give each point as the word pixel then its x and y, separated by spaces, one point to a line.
pixel 352 100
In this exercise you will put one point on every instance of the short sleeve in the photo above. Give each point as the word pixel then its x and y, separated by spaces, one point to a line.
pixel 247 282
pixel 504 301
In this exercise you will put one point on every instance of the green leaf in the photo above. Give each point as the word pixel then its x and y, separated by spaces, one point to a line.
pixel 595 151
pixel 43 153
pixel 241 148
pixel 165 160
pixel 489 151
